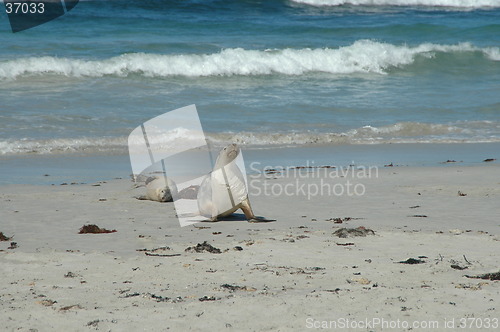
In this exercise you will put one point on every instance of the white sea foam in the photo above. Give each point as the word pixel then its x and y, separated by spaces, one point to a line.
pixel 403 132
pixel 63 145
pixel 493 53
pixel 363 56
pixel 428 3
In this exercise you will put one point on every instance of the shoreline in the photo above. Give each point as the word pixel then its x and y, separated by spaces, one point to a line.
pixel 87 168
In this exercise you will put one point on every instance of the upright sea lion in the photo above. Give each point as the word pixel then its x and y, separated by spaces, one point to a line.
pixel 224 191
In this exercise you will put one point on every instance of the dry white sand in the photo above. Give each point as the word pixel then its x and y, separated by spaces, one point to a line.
pixel 292 274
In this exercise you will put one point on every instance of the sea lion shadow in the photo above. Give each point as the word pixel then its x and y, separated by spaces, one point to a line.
pixel 231 217
pixel 239 217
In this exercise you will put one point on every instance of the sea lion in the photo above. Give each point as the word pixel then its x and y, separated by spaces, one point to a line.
pixel 159 189
pixel 224 191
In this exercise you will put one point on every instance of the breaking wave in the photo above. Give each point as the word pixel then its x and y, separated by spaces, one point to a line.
pixel 470 4
pixel 363 56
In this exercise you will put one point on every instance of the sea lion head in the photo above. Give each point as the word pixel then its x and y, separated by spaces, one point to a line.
pixel 231 151
pixel 164 195
pixel 227 155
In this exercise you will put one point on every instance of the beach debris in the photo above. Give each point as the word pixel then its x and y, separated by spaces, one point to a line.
pixel 489 160
pixel 238 248
pixel 341 220
pixel 159 298
pixel 486 276
pixel 360 280
pixel 3 237
pixel 389 165
pixel 13 245
pixel 66 308
pixel 158 252
pixel 450 161
pixel 47 303
pixel 93 323
pixel 70 275
pixel 345 244
pixel 359 231
pixel 412 261
pixel 458 267
pixel 130 295
pixel 476 287
pixel 311 167
pixel 206 298
pixel 461 193
pixel 414 206
pixel 336 290
pixel 161 255
pixel 94 229
pixel 233 288
pixel 190 192
pixel 418 216
pixel 271 171
pixel 202 247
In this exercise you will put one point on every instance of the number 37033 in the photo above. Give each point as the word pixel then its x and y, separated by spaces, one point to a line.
pixel 24 8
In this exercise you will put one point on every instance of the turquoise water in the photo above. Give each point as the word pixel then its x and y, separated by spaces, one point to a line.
pixel 271 74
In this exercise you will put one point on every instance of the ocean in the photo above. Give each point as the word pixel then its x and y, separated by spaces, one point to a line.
pixel 295 77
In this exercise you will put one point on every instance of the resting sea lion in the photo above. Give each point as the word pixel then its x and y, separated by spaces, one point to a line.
pixel 159 189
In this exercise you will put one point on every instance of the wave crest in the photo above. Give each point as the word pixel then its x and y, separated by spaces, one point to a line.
pixel 469 4
pixel 364 56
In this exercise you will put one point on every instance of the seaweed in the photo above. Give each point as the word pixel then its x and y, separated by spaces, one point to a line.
pixel 412 261
pixel 202 247
pixel 487 276
pixel 3 237
pixel 347 232
pixel 94 229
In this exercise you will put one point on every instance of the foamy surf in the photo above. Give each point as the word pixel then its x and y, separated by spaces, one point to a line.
pixel 363 56
pixel 403 132
pixel 469 4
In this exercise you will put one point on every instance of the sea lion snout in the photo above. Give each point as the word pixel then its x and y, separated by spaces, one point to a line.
pixel 165 195
pixel 232 151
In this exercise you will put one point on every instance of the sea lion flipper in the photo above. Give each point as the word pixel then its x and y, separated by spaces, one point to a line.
pixel 251 217
pixel 247 209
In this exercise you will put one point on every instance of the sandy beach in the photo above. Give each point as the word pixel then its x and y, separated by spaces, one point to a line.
pixel 290 275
